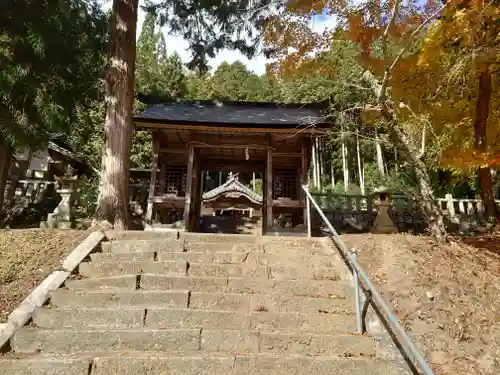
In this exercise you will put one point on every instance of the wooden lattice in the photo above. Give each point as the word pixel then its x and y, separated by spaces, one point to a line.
pixel 285 183
pixel 175 180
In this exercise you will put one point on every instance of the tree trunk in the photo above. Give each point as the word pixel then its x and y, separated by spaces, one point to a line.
pixel 360 165
pixel 113 204
pixel 430 207
pixel 5 158
pixel 380 154
pixel 345 165
pixel 483 100
pixel 318 155
pixel 332 171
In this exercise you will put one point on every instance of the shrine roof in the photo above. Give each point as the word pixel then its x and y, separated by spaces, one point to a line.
pixel 232 185
pixel 248 114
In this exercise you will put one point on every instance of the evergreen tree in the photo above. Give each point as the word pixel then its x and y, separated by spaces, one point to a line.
pixel 157 74
pixel 51 54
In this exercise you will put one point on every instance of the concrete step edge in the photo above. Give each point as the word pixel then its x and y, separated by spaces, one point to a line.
pixel 81 356
pixel 203 331
pixel 184 309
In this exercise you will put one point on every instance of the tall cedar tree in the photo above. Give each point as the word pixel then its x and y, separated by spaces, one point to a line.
pixel 113 194
pixel 208 27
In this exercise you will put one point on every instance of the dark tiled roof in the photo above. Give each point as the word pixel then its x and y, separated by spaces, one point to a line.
pixel 233 113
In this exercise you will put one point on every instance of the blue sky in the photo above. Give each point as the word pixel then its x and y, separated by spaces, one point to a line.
pixel 257 64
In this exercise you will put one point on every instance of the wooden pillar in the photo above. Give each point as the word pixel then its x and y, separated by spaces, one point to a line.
pixel 163 174
pixel 152 181
pixel 189 186
pixel 197 195
pixel 304 178
pixel 269 189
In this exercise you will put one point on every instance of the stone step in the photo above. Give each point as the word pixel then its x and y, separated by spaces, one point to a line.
pixel 113 235
pixel 271 248
pixel 33 340
pixel 150 282
pixel 253 258
pixel 96 269
pixel 133 245
pixel 110 283
pixel 176 318
pixel 125 256
pixel 272 302
pixel 160 363
pixel 176 246
pixel 180 267
pixel 102 299
pixel 37 365
pixel 250 239
pixel 310 288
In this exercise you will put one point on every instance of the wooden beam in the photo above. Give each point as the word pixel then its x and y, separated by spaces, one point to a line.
pixel 296 131
pixel 269 189
pixel 287 154
pixel 174 150
pixel 189 186
pixel 152 181
pixel 223 165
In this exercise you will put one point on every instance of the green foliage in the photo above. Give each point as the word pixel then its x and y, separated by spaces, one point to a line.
pixel 142 149
pixel 157 73
pixel 87 197
pixel 230 82
pixel 210 26
pixel 259 183
pixel 51 54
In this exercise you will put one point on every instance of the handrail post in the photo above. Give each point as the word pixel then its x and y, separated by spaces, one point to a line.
pixel 308 210
pixel 357 296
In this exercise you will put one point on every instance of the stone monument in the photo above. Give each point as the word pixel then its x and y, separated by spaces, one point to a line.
pixel 383 222
pixel 62 217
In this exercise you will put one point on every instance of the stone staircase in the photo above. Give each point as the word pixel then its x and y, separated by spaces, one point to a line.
pixel 153 303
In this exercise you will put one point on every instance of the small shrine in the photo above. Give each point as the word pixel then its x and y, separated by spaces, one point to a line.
pixel 232 197
pixel 190 137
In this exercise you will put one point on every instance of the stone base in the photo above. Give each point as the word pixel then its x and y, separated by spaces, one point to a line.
pixel 385 229
pixel 64 225
pixel 162 228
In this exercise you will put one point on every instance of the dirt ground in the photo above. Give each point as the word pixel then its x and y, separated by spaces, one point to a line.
pixel 27 256
pixel 448 297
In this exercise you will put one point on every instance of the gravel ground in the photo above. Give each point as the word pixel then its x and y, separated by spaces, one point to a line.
pixel 447 296
pixel 27 256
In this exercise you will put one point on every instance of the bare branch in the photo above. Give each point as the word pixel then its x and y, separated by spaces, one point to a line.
pixel 422 150
pixel 417 30
pixel 388 71
pixel 385 36
pixel 357 86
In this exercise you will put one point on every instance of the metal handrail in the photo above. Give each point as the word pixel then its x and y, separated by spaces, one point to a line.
pixel 373 296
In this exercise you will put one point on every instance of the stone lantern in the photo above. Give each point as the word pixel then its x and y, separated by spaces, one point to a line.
pixel 62 217
pixel 383 222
